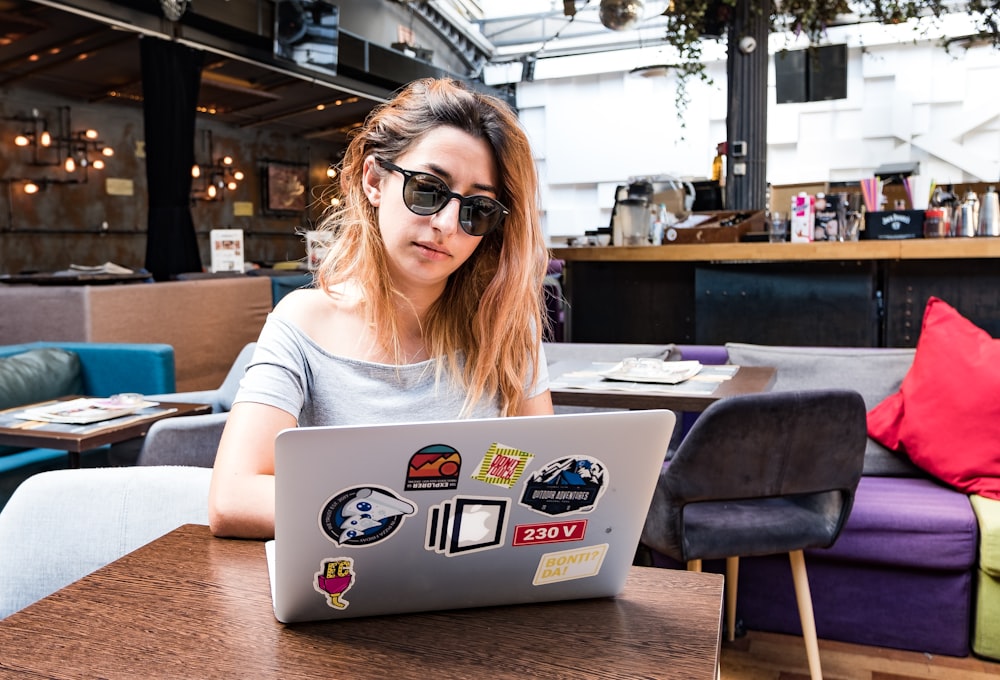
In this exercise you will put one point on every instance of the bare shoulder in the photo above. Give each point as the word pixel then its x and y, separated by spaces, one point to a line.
pixel 331 319
pixel 303 304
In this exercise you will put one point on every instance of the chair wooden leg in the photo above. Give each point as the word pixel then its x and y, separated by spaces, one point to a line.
pixel 732 580
pixel 804 599
pixel 694 565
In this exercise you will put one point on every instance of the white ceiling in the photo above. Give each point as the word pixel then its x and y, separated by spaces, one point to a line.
pixel 541 28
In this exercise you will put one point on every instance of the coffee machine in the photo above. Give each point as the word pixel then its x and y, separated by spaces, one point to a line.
pixel 635 201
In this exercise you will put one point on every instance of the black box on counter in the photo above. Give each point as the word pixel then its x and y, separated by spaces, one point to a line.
pixel 894 224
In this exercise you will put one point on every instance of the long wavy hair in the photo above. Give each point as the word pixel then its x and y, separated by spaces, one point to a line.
pixel 491 310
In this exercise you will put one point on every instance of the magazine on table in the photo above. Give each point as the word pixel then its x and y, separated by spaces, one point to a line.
pixel 82 411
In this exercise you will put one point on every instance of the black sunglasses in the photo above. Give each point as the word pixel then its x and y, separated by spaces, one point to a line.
pixel 425 194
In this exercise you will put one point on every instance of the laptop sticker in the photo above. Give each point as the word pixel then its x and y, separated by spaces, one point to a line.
pixel 363 515
pixel 436 467
pixel 550 532
pixel 567 565
pixel 572 484
pixel 334 578
pixel 467 524
pixel 502 466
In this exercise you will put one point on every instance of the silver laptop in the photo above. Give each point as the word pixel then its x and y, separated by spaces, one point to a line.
pixel 388 519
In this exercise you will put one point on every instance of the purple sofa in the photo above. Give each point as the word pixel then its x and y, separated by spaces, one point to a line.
pixel 901 573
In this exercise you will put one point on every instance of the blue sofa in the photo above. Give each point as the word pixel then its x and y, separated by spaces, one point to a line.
pixel 100 370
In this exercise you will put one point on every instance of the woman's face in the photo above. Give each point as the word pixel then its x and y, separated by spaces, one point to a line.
pixel 424 250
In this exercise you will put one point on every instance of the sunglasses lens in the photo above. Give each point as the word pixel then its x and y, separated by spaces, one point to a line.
pixel 483 215
pixel 425 194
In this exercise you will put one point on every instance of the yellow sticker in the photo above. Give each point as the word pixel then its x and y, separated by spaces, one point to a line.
pixel 502 465
pixel 567 565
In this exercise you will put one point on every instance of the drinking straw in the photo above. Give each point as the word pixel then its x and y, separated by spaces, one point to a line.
pixel 909 190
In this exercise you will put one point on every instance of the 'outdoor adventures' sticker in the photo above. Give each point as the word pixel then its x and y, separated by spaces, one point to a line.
pixel 363 515
pixel 571 484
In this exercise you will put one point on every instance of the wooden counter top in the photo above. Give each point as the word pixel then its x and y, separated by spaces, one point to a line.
pixel 903 249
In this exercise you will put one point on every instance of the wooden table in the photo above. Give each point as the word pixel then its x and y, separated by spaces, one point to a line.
pixel 75 439
pixel 190 605
pixel 748 380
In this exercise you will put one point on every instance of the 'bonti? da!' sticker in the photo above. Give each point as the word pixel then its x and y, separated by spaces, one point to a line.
pixel 566 485
pixel 363 515
pixel 334 578
pixel 567 565
pixel 502 466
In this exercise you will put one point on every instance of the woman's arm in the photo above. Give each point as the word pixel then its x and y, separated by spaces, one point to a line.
pixel 538 405
pixel 241 496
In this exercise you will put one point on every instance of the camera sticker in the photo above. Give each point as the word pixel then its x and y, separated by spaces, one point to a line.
pixel 572 484
pixel 434 468
pixel 363 515
pixel 502 466
pixel 550 532
pixel 567 565
pixel 334 578
pixel 466 525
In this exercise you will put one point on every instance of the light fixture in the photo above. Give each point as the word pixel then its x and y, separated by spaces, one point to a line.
pixel 212 180
pixel 74 151
pixel 621 15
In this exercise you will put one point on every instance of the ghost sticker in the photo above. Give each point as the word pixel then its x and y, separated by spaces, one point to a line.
pixel 363 515
pixel 334 578
pixel 571 484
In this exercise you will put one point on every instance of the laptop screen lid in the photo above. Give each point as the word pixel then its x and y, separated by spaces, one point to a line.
pixel 396 518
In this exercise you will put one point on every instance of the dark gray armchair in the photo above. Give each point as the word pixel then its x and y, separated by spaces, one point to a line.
pixel 760 475
pixel 194 440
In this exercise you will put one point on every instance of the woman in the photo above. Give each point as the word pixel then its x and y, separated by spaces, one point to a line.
pixel 427 306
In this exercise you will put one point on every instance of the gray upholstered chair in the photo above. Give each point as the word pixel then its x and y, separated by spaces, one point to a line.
pixel 761 475
pixel 193 440
pixel 60 525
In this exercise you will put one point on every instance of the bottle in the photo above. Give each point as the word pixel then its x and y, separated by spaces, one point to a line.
pixel 967 215
pixel 989 219
pixel 718 163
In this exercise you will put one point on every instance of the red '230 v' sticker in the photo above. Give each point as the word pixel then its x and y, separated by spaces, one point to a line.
pixel 550 532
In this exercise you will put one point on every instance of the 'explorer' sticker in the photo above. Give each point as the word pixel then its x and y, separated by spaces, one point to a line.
pixel 334 578
pixel 567 565
pixel 363 515
pixel 434 468
pixel 565 485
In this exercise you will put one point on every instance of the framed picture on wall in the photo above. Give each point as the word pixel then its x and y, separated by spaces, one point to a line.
pixel 286 187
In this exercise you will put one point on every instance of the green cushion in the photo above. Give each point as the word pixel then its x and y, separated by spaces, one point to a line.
pixel 988 515
pixel 37 375
pixel 986 627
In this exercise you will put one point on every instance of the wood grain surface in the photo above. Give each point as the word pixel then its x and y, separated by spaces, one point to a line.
pixel 190 605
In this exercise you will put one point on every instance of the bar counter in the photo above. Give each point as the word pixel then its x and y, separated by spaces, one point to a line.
pixel 896 249
pixel 868 293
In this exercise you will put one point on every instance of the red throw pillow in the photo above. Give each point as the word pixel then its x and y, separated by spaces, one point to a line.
pixel 946 415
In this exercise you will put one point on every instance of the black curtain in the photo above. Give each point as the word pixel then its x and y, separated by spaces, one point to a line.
pixel 171 76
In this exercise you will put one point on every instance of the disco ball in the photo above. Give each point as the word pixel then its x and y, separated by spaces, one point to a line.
pixel 621 15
